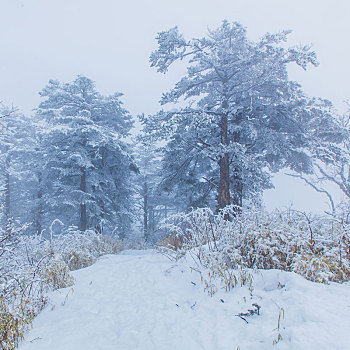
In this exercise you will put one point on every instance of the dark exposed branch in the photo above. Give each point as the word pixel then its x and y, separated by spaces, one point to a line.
pixel 317 189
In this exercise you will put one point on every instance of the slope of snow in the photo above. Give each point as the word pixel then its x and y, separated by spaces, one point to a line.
pixel 141 300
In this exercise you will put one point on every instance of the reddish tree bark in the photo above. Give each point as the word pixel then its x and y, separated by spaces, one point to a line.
pixel 224 181
pixel 83 215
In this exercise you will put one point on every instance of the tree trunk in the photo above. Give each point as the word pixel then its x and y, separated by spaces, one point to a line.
pixel 39 213
pixel 237 199
pixel 152 227
pixel 223 198
pixel 83 216
pixel 99 225
pixel 7 200
pixel 145 211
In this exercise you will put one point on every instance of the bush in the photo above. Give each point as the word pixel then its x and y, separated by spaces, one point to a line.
pixel 16 316
pixel 223 277
pixel 319 268
pixel 13 324
pixel 56 274
pixel 30 266
pixel 318 248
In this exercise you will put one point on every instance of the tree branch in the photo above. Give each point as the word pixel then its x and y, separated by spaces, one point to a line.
pixel 317 189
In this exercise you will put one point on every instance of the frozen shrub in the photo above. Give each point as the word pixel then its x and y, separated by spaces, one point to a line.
pixel 14 321
pixel 318 248
pixel 319 268
pixel 172 246
pixel 77 249
pixel 21 297
pixel 223 277
pixel 30 266
pixel 16 316
pixel 55 274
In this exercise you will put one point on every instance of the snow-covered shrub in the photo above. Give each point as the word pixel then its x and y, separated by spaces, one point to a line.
pixel 172 246
pixel 15 320
pixel 318 248
pixel 320 268
pixel 75 248
pixel 202 235
pixel 223 277
pixel 30 266
pixel 196 232
pixel 55 274
pixel 21 297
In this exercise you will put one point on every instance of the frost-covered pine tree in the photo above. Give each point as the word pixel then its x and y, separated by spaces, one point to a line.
pixel 16 183
pixel 188 177
pixel 240 117
pixel 87 162
pixel 154 202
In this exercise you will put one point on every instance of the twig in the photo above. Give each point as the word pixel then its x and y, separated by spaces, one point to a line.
pixel 242 318
pixel 31 341
pixel 317 189
pixel 250 312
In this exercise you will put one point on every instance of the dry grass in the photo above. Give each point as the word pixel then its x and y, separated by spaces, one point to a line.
pixel 317 248
pixel 41 266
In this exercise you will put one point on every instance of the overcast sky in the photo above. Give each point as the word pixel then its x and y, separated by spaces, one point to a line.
pixel 110 41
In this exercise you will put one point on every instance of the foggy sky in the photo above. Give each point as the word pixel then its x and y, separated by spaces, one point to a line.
pixel 110 42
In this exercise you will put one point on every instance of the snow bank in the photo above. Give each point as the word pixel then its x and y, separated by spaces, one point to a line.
pixel 141 300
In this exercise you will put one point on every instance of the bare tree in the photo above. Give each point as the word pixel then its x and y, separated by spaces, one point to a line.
pixel 332 162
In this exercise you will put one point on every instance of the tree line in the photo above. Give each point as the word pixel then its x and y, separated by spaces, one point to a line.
pixel 231 121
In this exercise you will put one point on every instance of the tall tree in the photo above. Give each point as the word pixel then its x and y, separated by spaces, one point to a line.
pixel 87 160
pixel 243 117
pixel 16 145
pixel 152 198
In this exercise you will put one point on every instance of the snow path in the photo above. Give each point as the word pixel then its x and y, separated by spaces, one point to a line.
pixel 128 302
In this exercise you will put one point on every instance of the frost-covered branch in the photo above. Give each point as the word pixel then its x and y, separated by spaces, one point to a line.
pixel 316 188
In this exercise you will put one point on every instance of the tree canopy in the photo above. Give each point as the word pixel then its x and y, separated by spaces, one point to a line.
pixel 239 116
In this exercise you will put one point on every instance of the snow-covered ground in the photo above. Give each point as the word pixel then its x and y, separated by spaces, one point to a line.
pixel 142 300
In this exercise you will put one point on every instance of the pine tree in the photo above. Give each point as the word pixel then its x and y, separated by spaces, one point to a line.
pixel 16 146
pixel 241 118
pixel 152 198
pixel 87 161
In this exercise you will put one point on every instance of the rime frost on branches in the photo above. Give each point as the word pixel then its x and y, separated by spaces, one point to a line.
pixel 239 117
pixel 88 164
pixel 317 247
pixel 331 159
